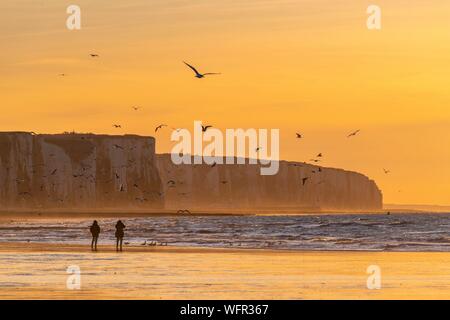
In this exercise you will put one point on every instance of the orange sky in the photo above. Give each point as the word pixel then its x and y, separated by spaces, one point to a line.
pixel 307 66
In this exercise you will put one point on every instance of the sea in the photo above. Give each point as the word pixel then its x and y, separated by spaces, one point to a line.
pixel 336 232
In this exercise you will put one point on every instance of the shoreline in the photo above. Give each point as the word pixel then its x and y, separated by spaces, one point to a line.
pixel 130 213
pixel 110 248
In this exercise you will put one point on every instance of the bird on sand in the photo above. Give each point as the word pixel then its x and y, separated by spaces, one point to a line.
pixel 319 155
pixel 353 133
pixel 198 74
pixel 160 127
pixel 62 74
pixel 304 180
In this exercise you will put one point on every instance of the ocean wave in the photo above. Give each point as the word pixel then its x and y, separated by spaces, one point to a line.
pixel 321 232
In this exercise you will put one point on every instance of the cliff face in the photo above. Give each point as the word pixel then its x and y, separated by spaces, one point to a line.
pixel 78 170
pixel 99 171
pixel 242 186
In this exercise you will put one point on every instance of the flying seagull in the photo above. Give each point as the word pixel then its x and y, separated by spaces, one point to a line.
pixel 204 128
pixel 319 155
pixel 353 133
pixel 117 126
pixel 94 55
pixel 386 171
pixel 136 108
pixel 198 74
pixel 299 136
pixel 160 127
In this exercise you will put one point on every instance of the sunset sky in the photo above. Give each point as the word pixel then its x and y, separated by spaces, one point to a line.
pixel 308 66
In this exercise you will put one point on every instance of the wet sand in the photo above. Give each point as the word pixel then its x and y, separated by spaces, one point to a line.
pixel 36 271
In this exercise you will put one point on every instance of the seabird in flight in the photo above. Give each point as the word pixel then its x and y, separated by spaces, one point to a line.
pixel 198 74
pixel 160 127
pixel 353 133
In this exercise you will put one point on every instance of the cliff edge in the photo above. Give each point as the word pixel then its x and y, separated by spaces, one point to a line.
pixel 78 171
pixel 241 186
pixel 90 171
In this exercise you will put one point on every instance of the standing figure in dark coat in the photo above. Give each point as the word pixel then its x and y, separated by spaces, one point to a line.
pixel 95 231
pixel 119 235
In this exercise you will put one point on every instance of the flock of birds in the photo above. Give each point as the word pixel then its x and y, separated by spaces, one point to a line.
pixel 298 135
pixel 200 75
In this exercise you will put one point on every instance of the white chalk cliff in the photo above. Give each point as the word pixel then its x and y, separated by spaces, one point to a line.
pixel 119 172
pixel 78 170
pixel 241 186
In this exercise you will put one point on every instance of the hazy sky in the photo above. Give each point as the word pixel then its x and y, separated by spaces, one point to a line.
pixel 307 66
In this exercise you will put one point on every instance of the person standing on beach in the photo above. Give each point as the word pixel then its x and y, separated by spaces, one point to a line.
pixel 95 231
pixel 119 234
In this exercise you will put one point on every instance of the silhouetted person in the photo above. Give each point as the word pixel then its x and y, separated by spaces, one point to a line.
pixel 119 234
pixel 95 231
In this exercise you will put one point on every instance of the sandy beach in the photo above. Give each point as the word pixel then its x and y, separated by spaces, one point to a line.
pixel 38 271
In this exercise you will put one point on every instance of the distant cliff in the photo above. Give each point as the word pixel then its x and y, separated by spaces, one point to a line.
pixel 78 170
pixel 242 187
pixel 117 172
